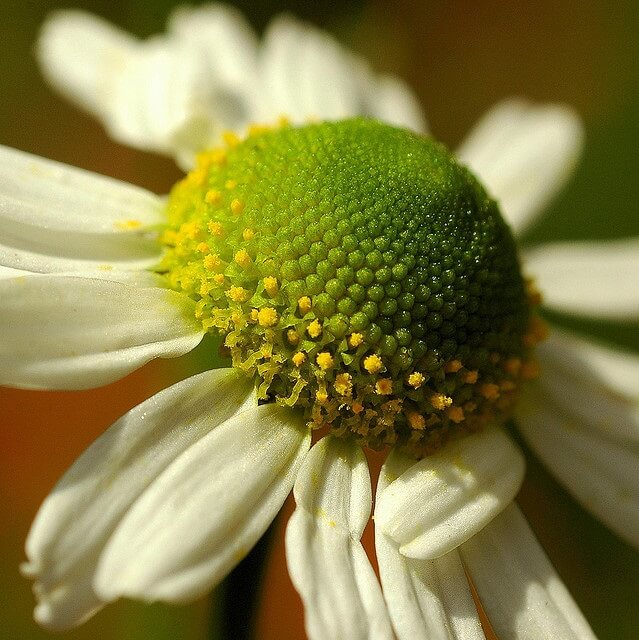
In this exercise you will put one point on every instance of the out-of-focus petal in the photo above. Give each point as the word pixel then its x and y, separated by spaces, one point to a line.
pixel 596 279
pixel 523 154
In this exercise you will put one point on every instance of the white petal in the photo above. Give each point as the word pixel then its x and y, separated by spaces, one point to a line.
pixel 391 100
pixel 54 217
pixel 601 474
pixel 427 599
pixel 81 513
pixel 67 332
pixel 459 490
pixel 207 509
pixel 326 560
pixel 228 45
pixel 598 385
pixel 599 279
pixel 161 99
pixel 521 593
pixel 523 154
pixel 80 53
pixel 306 73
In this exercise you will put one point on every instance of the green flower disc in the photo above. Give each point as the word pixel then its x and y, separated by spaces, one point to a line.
pixel 358 272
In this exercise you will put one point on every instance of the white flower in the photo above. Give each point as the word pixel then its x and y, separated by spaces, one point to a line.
pixel 80 310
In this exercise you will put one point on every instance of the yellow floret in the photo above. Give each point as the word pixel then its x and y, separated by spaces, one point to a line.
pixel 238 294
pixel 453 366
pixel 248 234
pixel 416 420
pixel 355 339
pixel 373 363
pixel 324 360
pixel 237 206
pixel 230 184
pixel 440 401
pixel 489 390
pixel 314 329
pixel 243 258
pixel 384 387
pixel 416 379
pixel 212 196
pixel 212 261
pixel 216 228
pixel 343 384
pixel 304 304
pixel 299 358
pixel 455 414
pixel 271 286
pixel 267 317
pixel 292 336
pixel 203 247
pixel 470 377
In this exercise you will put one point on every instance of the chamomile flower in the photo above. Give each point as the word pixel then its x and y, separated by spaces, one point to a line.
pixel 365 282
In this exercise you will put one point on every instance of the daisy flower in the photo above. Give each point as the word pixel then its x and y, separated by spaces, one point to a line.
pixel 366 283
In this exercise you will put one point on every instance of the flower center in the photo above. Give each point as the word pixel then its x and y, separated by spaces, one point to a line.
pixel 358 272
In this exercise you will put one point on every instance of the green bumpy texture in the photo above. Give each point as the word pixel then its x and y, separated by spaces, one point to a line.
pixel 314 248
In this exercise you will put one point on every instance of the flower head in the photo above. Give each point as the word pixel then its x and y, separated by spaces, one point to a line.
pixel 364 281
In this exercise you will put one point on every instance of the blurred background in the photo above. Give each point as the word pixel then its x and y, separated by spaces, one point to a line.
pixel 460 58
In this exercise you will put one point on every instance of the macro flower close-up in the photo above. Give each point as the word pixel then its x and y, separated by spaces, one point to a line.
pixel 356 287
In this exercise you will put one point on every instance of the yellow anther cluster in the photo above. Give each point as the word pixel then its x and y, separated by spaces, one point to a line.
pixel 384 387
pixel 298 359
pixel 314 329
pixel 267 317
pixel 304 305
pixel 242 258
pixel 416 379
pixel 238 294
pixel 324 360
pixel 373 363
pixel 270 286
pixel 344 384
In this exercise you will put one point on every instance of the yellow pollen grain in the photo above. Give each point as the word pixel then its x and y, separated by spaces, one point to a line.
pixel 230 184
pixel 218 278
pixel 355 339
pixel 203 247
pixel 216 156
pixel 512 366
pixel 530 370
pixel 304 304
pixel 231 139
pixel 455 414
pixel 292 336
pixel 205 287
pixel 242 258
pixel 212 196
pixel 191 230
pixel 314 329
pixel 299 358
pixel 248 234
pixel 489 390
pixel 416 420
pixel 127 225
pixel 267 317
pixel 384 387
pixel 453 366
pixel 257 129
pixel 238 294
pixel 216 228
pixel 212 261
pixel 416 379
pixel 537 331
pixel 237 206
pixel 271 286
pixel 470 377
pixel 254 315
pixel 324 360
pixel 440 401
pixel 343 384
pixel 373 363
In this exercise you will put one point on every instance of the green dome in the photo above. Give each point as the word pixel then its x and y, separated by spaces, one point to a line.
pixel 357 271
